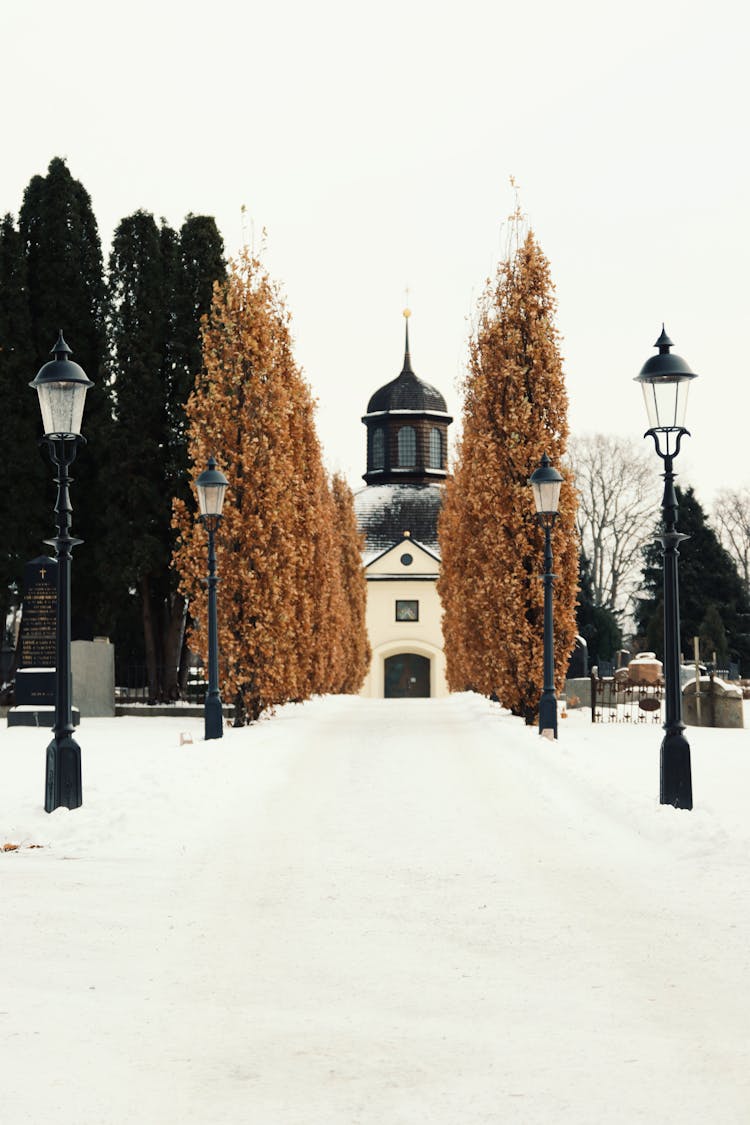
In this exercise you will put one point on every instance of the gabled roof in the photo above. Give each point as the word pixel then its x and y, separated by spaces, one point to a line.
pixel 403 544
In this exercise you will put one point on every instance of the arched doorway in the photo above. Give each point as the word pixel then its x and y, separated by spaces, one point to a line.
pixel 407 675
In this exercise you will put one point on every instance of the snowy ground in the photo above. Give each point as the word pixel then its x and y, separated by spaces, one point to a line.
pixel 375 913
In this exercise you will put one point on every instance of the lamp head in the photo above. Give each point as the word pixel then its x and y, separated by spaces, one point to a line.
pixel 665 380
pixel 61 386
pixel 546 483
pixel 211 486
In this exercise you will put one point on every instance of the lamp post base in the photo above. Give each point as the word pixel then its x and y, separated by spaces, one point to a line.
pixel 676 783
pixel 63 787
pixel 548 716
pixel 214 717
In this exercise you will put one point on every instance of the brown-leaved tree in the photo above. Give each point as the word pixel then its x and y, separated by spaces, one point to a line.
pixel 354 643
pixel 515 410
pixel 277 550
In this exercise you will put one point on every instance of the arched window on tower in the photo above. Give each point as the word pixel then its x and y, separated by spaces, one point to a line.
pixel 378 448
pixel 436 448
pixel 407 447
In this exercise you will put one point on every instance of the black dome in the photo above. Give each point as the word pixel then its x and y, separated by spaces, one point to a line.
pixel 386 511
pixel 407 392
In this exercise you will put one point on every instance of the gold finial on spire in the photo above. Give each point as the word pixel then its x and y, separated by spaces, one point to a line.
pixel 407 314
pixel 407 310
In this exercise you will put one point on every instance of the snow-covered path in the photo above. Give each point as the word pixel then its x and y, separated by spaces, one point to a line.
pixel 386 912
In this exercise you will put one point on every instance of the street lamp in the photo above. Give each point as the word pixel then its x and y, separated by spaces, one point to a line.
pixel 212 486
pixel 545 484
pixel 665 379
pixel 61 386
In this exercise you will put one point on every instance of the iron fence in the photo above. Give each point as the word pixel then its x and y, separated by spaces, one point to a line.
pixel 616 699
pixel 133 686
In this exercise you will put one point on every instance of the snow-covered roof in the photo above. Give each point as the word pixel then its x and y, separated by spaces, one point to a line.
pixel 386 511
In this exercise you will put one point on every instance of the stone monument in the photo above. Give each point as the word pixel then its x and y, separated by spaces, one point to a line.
pixel 37 648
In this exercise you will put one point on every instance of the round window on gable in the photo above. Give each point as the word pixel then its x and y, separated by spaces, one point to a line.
pixel 406 560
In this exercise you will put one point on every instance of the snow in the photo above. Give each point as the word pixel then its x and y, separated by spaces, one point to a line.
pixel 375 912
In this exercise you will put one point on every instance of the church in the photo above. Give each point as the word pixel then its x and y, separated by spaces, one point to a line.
pixel 397 512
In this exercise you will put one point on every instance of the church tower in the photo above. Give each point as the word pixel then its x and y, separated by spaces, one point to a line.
pixel 407 456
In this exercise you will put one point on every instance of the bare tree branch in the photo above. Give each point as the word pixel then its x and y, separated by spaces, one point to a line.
pixel 732 521
pixel 618 504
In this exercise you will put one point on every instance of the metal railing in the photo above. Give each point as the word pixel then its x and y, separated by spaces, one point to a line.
pixel 616 699
pixel 132 686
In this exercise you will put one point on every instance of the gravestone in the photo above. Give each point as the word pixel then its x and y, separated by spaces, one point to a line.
pixel 578 664
pixel 719 704
pixel 37 647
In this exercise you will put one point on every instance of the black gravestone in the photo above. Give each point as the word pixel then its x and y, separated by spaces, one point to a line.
pixel 35 668
pixel 37 647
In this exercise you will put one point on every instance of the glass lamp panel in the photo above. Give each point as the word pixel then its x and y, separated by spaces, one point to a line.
pixel 211 499
pixel 546 496
pixel 62 405
pixel 666 402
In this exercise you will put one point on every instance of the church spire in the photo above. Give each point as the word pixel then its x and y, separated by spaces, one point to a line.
pixel 407 357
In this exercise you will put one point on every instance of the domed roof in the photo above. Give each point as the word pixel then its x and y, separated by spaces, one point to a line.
pixel 407 391
pixel 384 512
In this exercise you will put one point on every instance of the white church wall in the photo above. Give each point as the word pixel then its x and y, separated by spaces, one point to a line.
pixel 389 582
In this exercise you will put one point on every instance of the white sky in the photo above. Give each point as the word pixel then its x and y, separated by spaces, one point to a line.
pixel 375 144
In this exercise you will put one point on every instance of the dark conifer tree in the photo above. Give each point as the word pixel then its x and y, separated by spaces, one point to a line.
pixel 66 290
pixel 25 513
pixel 139 511
pixel 711 590
pixel 161 284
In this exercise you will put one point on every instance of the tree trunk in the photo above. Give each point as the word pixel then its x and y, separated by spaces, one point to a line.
pixel 239 711
pixel 173 633
pixel 149 639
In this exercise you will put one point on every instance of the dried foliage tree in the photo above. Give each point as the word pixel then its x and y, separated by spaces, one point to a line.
pixel 515 410
pixel 617 506
pixel 732 521
pixel 280 599
pixel 356 647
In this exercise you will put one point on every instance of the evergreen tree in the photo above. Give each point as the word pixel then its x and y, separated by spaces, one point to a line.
pixel 198 265
pixel 710 587
pixel 66 290
pixel 25 515
pixel 160 286
pixel 515 410
pixel 253 411
pixel 137 553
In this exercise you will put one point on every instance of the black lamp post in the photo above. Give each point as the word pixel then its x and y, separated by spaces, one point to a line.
pixel 545 484
pixel 212 486
pixel 665 379
pixel 61 386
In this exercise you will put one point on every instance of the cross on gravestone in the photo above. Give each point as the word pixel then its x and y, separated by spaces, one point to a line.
pixel 38 634
pixel 36 654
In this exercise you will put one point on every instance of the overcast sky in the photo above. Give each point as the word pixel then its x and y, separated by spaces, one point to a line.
pixel 374 143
